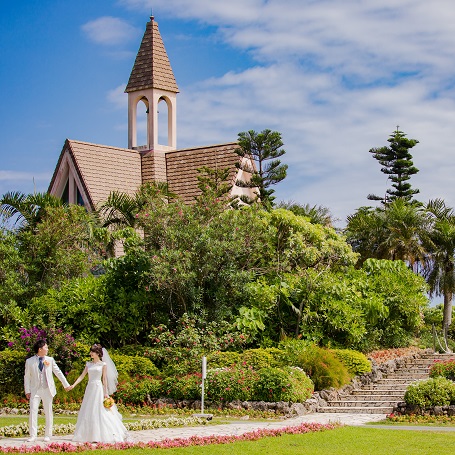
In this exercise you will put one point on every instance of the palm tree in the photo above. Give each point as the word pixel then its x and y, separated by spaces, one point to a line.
pixel 391 232
pixel 440 269
pixel 317 214
pixel 120 210
pixel 27 210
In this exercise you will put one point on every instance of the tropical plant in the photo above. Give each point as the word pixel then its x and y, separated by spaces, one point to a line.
pixel 317 214
pixel 392 232
pixel 440 266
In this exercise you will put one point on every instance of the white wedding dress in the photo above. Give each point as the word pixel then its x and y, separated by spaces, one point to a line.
pixel 95 423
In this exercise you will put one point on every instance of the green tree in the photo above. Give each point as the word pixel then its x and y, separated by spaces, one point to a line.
pixel 27 210
pixel 393 232
pixel 396 162
pixel 264 149
pixel 121 210
pixel 317 214
pixel 440 267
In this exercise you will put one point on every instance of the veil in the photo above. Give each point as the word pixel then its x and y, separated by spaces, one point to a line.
pixel 111 373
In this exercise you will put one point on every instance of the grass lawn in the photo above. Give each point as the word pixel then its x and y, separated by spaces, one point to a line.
pixel 341 441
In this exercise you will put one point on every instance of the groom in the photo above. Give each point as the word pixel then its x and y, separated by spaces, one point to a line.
pixel 39 385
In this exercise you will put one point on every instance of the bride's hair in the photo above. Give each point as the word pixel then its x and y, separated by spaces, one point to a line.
pixel 97 349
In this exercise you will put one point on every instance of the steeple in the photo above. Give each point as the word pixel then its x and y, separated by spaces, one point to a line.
pixel 151 81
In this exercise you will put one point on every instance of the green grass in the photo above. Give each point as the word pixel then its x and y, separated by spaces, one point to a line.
pixel 341 441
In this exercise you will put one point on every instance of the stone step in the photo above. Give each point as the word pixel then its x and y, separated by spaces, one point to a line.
pixel 363 404
pixel 379 397
pixel 359 410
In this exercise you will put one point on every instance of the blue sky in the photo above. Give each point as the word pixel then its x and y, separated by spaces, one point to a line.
pixel 335 78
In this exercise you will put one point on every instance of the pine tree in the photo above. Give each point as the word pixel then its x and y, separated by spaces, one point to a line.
pixel 263 148
pixel 397 164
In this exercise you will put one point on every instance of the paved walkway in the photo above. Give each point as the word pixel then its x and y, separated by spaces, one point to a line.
pixel 237 428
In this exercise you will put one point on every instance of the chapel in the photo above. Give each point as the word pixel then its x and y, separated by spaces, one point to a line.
pixel 87 173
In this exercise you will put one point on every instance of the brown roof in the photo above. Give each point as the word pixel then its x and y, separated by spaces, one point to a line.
pixel 152 68
pixel 103 169
pixel 182 165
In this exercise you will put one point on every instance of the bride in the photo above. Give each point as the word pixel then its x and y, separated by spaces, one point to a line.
pixel 95 422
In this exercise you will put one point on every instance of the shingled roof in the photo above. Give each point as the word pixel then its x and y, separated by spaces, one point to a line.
pixel 182 166
pixel 152 68
pixel 103 169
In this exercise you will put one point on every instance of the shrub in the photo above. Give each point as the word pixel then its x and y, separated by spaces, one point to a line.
pixel 273 385
pixel 134 365
pixel 356 362
pixel 186 387
pixel 321 365
pixel 278 357
pixel 432 392
pixel 257 358
pixel 12 365
pixel 231 383
pixel 220 359
pixel 62 346
pixel 445 369
pixel 136 390
pixel 276 384
pixel 302 385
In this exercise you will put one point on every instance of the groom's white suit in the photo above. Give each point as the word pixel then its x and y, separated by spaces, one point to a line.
pixel 41 386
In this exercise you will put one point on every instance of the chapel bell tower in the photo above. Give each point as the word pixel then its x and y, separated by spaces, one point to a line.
pixel 152 83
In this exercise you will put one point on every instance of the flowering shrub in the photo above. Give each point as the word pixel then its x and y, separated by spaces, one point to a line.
pixel 136 390
pixel 180 351
pixel 432 392
pixel 445 369
pixel 182 388
pixel 384 355
pixel 231 383
pixel 62 345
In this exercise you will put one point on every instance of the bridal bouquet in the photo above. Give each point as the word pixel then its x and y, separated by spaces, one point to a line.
pixel 108 402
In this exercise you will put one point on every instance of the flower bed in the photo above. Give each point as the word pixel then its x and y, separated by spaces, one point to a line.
pixel 171 443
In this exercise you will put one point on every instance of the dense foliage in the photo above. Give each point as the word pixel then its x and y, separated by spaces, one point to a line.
pixel 437 391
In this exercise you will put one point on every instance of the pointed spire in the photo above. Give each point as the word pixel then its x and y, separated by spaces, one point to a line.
pixel 152 68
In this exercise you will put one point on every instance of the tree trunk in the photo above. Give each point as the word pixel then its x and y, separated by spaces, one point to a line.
pixel 447 315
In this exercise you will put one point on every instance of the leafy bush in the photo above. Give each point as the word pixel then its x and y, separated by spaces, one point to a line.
pixel 136 390
pixel 12 364
pixel 302 385
pixel 186 387
pixel 221 359
pixel 273 385
pixel 356 362
pixel 278 355
pixel 321 365
pixel 231 383
pixel 445 369
pixel 276 384
pixel 179 351
pixel 257 358
pixel 432 392
pixel 134 365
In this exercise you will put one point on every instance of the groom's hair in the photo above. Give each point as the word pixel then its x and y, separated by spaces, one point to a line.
pixel 38 345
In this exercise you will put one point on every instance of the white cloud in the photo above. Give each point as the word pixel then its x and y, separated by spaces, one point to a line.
pixel 335 78
pixel 24 176
pixel 118 98
pixel 110 31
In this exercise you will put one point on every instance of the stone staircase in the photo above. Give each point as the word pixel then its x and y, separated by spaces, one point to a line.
pixel 380 391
